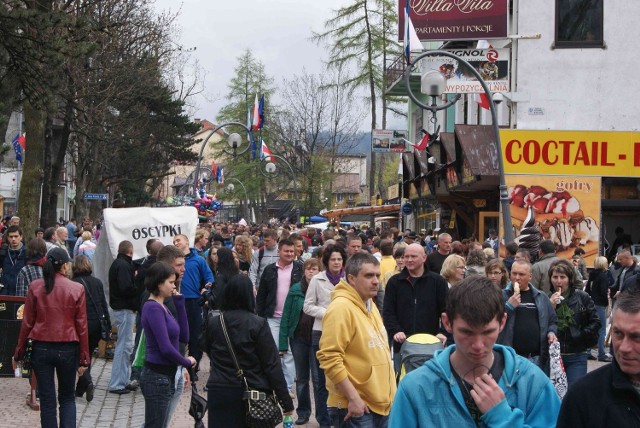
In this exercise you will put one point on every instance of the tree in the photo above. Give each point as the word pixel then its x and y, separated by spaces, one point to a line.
pixel 358 37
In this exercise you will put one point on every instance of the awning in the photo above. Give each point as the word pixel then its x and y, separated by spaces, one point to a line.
pixel 479 148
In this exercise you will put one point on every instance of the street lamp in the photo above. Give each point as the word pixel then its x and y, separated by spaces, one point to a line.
pixel 271 168
pixel 230 187
pixel 434 86
pixel 234 140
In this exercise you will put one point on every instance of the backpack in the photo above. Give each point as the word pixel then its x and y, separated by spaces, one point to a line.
pixel 415 351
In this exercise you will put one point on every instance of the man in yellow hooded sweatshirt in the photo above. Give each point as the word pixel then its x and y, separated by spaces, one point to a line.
pixel 354 352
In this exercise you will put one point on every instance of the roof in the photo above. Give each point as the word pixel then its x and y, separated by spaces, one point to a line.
pixel 479 146
pixel 346 183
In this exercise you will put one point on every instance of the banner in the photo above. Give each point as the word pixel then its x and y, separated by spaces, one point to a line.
pixel 491 64
pixel 386 140
pixel 456 19
pixel 583 153
pixel 138 225
pixel 566 210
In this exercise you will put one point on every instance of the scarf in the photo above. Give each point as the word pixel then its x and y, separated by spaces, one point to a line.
pixel 334 279
pixel 37 262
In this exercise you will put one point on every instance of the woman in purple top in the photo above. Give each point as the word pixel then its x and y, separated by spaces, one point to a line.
pixel 163 334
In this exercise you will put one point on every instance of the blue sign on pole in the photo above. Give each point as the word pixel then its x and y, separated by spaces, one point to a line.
pixel 96 196
pixel 407 208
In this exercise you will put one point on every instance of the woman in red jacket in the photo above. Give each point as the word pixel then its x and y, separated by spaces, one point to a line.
pixel 55 319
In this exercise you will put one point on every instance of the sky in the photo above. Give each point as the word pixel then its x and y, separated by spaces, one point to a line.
pixel 278 33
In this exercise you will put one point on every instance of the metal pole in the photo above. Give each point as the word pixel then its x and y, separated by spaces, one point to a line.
pixel 204 144
pixel 295 185
pixel 504 196
pixel 246 198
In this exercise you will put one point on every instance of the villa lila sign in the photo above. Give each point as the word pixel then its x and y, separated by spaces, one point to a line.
pixel 456 19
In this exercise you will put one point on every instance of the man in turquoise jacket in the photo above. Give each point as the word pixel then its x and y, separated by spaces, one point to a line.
pixel 475 382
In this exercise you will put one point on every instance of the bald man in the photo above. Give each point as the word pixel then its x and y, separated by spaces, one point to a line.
pixel 414 299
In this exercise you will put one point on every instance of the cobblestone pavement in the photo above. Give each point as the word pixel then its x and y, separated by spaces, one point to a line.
pixel 106 410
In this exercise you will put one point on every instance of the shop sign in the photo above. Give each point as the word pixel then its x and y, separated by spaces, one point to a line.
pixel 566 210
pixel 491 64
pixel 581 153
pixel 456 19
pixel 387 140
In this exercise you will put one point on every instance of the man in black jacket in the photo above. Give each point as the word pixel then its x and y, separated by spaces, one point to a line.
pixel 414 299
pixel 124 299
pixel 609 395
pixel 275 282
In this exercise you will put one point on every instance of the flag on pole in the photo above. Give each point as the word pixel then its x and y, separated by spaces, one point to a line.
pixel 482 100
pixel 256 114
pixel 214 169
pixel 411 39
pixel 400 167
pixel 261 112
pixel 220 176
pixel 422 145
pixel 265 153
pixel 19 143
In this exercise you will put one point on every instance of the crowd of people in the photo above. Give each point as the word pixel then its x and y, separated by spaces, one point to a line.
pixel 281 309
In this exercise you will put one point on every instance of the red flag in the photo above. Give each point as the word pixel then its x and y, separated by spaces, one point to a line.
pixel 214 169
pixel 482 100
pixel 423 143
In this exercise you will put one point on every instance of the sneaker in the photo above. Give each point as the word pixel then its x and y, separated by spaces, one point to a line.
pixel 591 357
pixel 90 390
pixel 133 385
pixel 302 420
pixel 605 359
pixel 119 391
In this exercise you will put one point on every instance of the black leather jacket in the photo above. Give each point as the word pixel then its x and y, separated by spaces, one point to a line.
pixel 268 289
pixel 255 350
pixel 584 333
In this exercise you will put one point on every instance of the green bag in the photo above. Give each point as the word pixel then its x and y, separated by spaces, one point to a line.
pixel 141 352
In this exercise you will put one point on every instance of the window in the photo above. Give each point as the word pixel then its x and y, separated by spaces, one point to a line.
pixel 579 23
pixel 339 197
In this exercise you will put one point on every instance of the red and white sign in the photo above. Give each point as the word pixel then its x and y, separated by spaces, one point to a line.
pixel 456 19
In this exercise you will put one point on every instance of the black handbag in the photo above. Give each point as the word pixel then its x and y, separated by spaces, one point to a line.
pixel 26 359
pixel 105 324
pixel 262 408
pixel 197 406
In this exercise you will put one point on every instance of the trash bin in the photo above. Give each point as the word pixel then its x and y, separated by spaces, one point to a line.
pixel 11 308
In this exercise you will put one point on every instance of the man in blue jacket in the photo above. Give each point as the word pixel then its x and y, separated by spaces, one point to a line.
pixel 475 382
pixel 197 276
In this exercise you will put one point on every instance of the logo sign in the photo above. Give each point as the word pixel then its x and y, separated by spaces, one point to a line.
pixel 386 140
pixel 491 64
pixel 407 208
pixel 584 153
pixel 96 196
pixel 456 19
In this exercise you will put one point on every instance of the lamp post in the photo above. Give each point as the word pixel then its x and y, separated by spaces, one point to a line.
pixel 271 168
pixel 433 84
pixel 234 140
pixel 246 198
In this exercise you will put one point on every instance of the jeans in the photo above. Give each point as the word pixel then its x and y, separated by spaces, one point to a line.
pixel 179 382
pixel 123 320
pixel 602 314
pixel 303 359
pixel 320 393
pixel 368 420
pixel 575 365
pixel 226 406
pixel 194 317
pixel 61 358
pixel 157 389
pixel 288 367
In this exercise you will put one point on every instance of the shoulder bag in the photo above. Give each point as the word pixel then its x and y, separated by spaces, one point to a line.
pixel 105 325
pixel 262 408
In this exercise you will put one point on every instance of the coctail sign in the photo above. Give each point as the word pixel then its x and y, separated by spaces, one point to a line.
pixel 584 153
pixel 456 19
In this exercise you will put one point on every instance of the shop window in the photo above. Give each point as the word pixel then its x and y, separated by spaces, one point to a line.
pixel 339 197
pixel 579 24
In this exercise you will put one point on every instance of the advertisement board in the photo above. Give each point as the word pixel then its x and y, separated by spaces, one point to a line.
pixel 581 153
pixel 491 64
pixel 388 140
pixel 456 19
pixel 565 210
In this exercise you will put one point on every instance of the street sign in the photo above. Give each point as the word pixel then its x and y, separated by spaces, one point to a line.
pixel 96 196
pixel 407 208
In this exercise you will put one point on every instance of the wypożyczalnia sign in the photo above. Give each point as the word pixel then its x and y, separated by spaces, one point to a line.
pixel 456 19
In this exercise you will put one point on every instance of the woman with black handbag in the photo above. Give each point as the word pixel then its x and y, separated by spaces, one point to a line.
pixel 97 317
pixel 245 364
